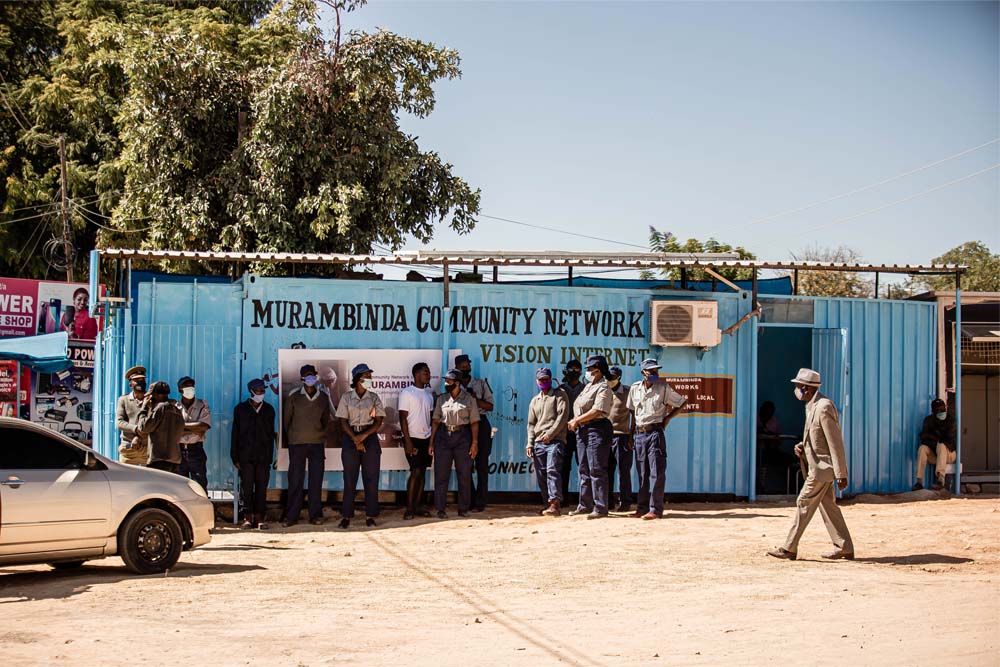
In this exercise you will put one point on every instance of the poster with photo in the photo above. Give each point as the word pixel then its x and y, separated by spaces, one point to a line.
pixel 63 401
pixel 30 307
pixel 392 373
pixel 11 404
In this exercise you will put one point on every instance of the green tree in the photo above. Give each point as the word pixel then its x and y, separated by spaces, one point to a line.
pixel 229 126
pixel 832 283
pixel 667 242
pixel 983 274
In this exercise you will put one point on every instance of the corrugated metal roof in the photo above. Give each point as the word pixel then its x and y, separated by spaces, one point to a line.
pixel 545 258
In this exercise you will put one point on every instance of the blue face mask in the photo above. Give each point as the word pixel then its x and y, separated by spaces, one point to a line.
pixel 800 393
pixel 652 377
pixel 309 380
pixel 941 415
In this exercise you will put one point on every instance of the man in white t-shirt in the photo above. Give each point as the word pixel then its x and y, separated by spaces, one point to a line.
pixel 415 405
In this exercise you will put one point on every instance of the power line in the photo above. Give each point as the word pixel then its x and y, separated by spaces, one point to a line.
pixel 899 201
pixel 856 191
pixel 563 231
pixel 29 217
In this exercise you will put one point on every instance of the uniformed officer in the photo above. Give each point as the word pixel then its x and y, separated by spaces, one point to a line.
pixel 304 417
pixel 134 448
pixel 252 451
pixel 593 439
pixel 548 413
pixel 483 393
pixel 654 403
pixel 197 421
pixel 360 413
pixel 620 460
pixel 572 386
pixel 454 439
pixel 822 451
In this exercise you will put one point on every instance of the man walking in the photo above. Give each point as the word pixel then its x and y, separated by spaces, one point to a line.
pixel 822 447
pixel 133 448
pixel 197 420
pixel 304 416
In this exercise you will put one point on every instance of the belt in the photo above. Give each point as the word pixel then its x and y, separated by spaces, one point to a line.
pixel 185 445
pixel 453 429
pixel 649 429
pixel 362 429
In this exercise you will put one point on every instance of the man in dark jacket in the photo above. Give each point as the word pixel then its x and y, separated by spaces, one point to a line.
pixel 162 422
pixel 937 444
pixel 252 452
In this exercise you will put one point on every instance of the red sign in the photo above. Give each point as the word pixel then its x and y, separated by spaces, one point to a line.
pixel 705 395
pixel 29 307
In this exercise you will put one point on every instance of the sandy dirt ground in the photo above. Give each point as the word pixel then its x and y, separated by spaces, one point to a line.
pixel 505 588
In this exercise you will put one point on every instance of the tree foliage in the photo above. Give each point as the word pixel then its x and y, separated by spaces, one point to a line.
pixel 832 283
pixel 222 126
pixel 983 274
pixel 667 242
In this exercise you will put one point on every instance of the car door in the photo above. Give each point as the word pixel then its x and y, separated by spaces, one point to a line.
pixel 48 501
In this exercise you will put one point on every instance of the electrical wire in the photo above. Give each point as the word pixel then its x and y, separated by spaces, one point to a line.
pixel 562 231
pixel 857 190
pixel 28 217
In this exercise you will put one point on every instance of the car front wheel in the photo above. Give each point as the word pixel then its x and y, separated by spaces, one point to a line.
pixel 150 541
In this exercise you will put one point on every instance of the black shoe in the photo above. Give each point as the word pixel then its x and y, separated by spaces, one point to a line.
pixel 917 487
pixel 345 522
pixel 424 513
pixel 478 509
pixel 370 522
pixel 318 521
pixel 463 513
pixel 287 523
pixel 407 515
pixel 442 515
pixel 623 507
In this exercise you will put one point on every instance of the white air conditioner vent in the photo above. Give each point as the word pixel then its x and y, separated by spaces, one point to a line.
pixel 687 323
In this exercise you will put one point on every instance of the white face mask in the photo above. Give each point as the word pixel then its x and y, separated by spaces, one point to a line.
pixel 257 398
pixel 366 383
pixel 187 392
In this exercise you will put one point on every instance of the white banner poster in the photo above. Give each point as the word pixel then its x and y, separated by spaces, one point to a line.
pixel 392 372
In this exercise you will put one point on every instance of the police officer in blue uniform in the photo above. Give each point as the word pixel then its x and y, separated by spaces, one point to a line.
pixel 360 413
pixel 483 393
pixel 454 439
pixel 620 461
pixel 593 439
pixel 572 386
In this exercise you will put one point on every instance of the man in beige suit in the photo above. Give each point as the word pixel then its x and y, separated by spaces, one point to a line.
pixel 822 447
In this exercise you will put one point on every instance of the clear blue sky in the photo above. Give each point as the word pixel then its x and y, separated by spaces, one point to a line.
pixel 700 118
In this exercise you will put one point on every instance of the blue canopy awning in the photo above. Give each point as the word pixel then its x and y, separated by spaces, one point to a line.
pixel 48 353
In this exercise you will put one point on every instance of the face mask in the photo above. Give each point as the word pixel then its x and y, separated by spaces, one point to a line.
pixel 613 383
pixel 309 380
pixel 572 376
pixel 367 383
pixel 450 388
pixel 545 385
pixel 139 385
pixel 941 415
pixel 800 393
pixel 187 392
pixel 257 398
pixel 652 377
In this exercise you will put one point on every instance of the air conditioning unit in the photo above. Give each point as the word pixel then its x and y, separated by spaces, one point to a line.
pixel 684 323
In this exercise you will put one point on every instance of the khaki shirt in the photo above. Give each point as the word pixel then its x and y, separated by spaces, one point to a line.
pixel 621 418
pixel 547 416
pixel 651 405
pixel 357 410
pixel 596 395
pixel 456 411
pixel 197 412
pixel 126 418
pixel 480 389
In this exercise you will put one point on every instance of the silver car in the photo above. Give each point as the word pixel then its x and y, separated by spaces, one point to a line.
pixel 63 504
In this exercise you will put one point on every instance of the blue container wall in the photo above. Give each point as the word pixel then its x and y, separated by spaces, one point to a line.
pixel 891 356
pixel 706 454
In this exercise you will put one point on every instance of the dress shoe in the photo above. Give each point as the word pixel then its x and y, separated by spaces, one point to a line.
pixel 917 487
pixel 287 523
pixel 839 555
pixel 344 523
pixel 370 522
pixel 938 484
pixel 597 515
pixel 442 515
pixel 318 521
pixel 407 515
pixel 623 507
pixel 780 552
pixel 649 516
pixel 424 513
pixel 552 509
pixel 478 509
pixel 463 513
pixel 635 515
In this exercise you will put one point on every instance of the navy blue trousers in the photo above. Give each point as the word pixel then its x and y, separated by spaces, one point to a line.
pixel 452 447
pixel 548 469
pixel 620 461
pixel 651 464
pixel 298 456
pixel 194 464
pixel 368 465
pixel 481 482
pixel 593 445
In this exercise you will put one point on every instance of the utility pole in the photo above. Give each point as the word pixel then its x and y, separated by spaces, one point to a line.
pixel 67 239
